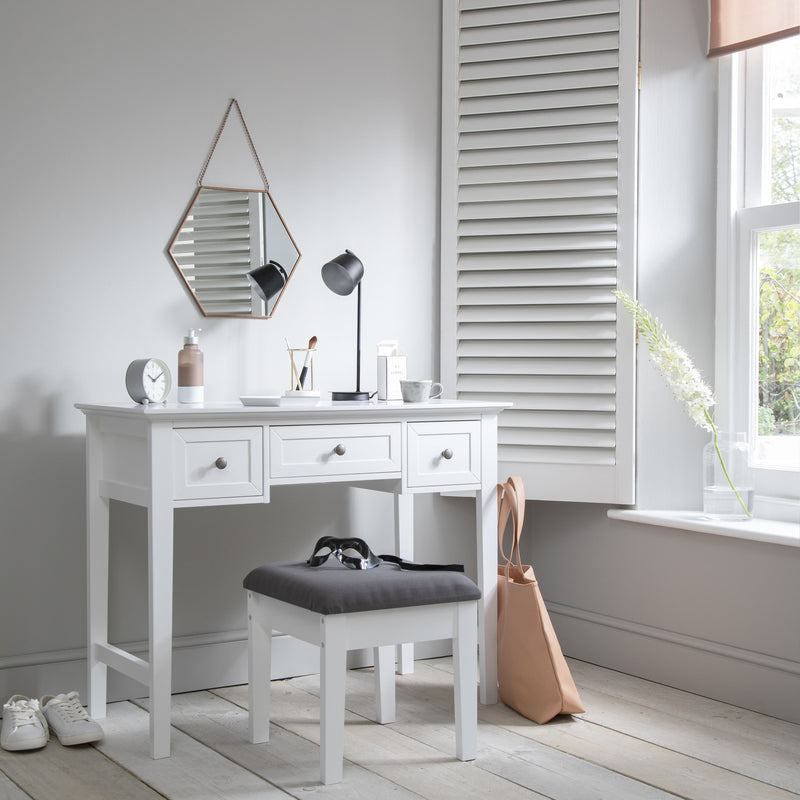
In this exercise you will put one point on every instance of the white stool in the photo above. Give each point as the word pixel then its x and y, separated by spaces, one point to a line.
pixel 340 609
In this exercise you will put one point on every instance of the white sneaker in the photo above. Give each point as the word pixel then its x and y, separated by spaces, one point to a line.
pixel 69 720
pixel 24 725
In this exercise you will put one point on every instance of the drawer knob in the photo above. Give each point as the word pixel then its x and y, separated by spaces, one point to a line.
pixel 221 462
pixel 447 453
pixel 340 449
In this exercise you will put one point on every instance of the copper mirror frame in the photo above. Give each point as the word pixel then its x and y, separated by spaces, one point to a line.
pixel 223 235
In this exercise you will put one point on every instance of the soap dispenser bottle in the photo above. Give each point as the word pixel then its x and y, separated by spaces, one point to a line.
pixel 190 370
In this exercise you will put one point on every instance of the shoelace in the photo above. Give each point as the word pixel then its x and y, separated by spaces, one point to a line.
pixel 22 713
pixel 69 707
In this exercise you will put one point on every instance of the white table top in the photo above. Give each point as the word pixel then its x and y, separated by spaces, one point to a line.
pixel 323 409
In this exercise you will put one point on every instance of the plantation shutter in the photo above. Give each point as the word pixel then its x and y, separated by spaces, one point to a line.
pixel 215 249
pixel 538 216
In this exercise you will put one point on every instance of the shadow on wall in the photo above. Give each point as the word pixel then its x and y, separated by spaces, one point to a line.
pixel 214 548
pixel 30 409
pixel 42 524
pixel 43 539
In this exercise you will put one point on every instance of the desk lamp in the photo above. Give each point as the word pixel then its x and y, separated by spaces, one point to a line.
pixel 341 275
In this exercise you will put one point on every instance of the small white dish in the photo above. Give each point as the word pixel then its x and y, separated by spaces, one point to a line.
pixel 261 400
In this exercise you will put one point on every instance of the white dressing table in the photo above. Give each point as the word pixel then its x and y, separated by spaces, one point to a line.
pixel 167 457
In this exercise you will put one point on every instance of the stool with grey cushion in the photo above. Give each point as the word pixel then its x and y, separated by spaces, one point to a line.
pixel 340 609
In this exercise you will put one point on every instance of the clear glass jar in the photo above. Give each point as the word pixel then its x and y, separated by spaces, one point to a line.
pixel 728 491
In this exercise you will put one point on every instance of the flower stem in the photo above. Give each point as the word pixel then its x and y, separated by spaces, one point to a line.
pixel 722 464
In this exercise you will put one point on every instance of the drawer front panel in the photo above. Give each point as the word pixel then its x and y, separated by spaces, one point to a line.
pixel 444 453
pixel 217 462
pixel 306 451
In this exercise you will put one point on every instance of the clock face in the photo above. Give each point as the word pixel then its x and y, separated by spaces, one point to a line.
pixel 156 380
pixel 148 380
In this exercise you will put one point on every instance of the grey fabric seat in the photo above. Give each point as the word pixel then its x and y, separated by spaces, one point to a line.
pixel 334 589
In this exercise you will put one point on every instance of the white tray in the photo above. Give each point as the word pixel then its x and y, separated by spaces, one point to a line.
pixel 261 400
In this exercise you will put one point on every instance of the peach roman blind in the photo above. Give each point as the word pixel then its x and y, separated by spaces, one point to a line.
pixel 738 24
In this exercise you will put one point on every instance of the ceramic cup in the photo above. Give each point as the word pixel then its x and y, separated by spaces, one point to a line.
pixel 419 391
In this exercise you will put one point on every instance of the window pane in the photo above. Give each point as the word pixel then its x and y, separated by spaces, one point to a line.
pixel 783 71
pixel 778 441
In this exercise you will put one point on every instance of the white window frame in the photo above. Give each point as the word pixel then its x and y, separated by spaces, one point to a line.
pixel 741 174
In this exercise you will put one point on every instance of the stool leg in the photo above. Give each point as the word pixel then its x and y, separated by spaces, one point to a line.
pixel 333 663
pixel 384 684
pixel 259 663
pixel 465 646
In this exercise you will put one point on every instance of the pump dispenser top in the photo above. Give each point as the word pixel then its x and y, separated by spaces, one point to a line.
pixel 190 369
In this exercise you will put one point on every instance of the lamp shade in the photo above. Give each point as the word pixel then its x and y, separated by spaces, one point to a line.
pixel 343 273
pixel 268 280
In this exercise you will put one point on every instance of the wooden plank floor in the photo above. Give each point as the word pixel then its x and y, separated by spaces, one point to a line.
pixel 637 740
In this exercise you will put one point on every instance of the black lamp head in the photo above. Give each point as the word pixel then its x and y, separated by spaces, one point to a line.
pixel 343 273
pixel 268 280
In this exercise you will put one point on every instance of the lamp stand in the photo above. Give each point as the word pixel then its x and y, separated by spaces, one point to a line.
pixel 357 395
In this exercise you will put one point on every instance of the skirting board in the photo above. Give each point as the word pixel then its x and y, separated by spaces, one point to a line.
pixel 199 662
pixel 743 678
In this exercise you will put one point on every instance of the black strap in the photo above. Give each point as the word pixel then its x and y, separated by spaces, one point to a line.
pixel 403 564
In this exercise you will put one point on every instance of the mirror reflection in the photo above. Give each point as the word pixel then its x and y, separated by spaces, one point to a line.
pixel 225 234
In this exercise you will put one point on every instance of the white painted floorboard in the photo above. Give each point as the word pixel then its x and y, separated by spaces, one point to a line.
pixel 637 741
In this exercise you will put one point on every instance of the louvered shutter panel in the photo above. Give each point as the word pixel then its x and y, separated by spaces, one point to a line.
pixel 215 249
pixel 538 216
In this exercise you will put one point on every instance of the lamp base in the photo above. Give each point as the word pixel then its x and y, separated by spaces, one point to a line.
pixel 361 397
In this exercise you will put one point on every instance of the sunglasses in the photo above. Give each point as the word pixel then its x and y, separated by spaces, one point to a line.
pixel 352 552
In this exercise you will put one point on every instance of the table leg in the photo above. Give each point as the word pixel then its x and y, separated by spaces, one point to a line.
pixel 486 525
pixel 160 563
pixel 97 521
pixel 404 547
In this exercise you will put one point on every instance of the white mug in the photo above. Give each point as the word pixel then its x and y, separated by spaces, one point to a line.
pixel 419 391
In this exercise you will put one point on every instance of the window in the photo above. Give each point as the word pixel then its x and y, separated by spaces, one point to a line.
pixel 758 267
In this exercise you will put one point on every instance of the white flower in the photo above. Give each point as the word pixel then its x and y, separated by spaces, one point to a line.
pixel 681 376
pixel 674 364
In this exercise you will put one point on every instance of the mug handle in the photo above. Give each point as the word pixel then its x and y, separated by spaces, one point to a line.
pixel 436 390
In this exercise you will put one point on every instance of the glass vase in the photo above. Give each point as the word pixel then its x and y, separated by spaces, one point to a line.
pixel 727 489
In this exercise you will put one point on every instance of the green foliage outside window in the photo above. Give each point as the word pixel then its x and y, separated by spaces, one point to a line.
pixel 779 327
pixel 779 278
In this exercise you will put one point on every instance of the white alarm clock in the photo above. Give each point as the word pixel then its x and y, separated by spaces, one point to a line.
pixel 148 380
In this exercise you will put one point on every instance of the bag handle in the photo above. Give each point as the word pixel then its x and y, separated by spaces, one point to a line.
pixel 511 501
pixel 504 506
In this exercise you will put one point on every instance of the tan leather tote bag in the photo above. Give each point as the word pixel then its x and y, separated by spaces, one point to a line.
pixel 533 675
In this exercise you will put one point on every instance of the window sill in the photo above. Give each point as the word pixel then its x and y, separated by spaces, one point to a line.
pixel 757 530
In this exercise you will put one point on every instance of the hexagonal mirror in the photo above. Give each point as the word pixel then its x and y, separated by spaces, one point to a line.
pixel 226 234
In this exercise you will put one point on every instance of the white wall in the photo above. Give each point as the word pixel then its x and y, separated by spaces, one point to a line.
pixel 109 110
pixel 713 615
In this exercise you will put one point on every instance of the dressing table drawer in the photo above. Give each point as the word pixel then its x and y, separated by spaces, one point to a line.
pixel 217 463
pixel 444 453
pixel 317 451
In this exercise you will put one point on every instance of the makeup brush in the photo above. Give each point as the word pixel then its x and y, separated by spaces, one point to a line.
pixel 312 343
